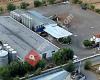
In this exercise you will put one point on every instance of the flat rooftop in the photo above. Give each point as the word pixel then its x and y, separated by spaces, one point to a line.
pixel 23 39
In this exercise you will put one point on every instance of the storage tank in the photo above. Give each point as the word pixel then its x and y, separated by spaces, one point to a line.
pixel 16 14
pixel 7 48
pixel 13 55
pixel 5 45
pixel 10 54
pixel 11 49
pixel 27 20
pixel 3 58
pixel 0 47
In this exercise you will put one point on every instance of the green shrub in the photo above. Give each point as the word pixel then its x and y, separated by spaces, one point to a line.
pixel 84 5
pixel 41 64
pixel 76 1
pixel 51 1
pixel 65 40
pixel 70 67
pixel 87 65
pixel 4 73
pixel 91 7
pixel 88 43
pixel 97 10
pixel 79 2
pixel 63 55
pixel 1 10
pixel 11 7
pixel 24 5
pixel 38 71
pixel 15 69
pixel 37 3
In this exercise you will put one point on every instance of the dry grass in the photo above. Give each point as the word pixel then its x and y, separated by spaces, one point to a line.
pixel 91 1
pixel 4 5
pixel 96 71
pixel 96 3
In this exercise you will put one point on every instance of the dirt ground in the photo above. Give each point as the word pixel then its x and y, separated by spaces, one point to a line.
pixel 4 5
pixel 91 1
pixel 96 3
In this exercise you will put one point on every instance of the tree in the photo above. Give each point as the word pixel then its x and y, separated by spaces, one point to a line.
pixel 17 68
pixel 37 3
pixel 11 7
pixel 27 67
pixel 97 10
pixel 67 54
pixel 92 7
pixel 24 5
pixel 75 1
pixel 41 64
pixel 1 10
pixel 4 73
pixel 14 68
pixel 84 6
pixel 63 55
pixel 65 40
pixel 70 67
pixel 88 43
pixel 57 58
pixel 87 65
pixel 51 1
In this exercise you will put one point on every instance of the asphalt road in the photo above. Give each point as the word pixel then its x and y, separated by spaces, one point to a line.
pixel 81 25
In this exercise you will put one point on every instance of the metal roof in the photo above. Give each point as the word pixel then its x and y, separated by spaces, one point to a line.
pixel 37 18
pixel 18 12
pixel 33 19
pixel 41 18
pixel 23 39
pixel 57 74
pixel 57 31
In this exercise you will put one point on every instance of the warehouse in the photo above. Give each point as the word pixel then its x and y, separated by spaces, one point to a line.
pixel 37 22
pixel 24 40
pixel 51 26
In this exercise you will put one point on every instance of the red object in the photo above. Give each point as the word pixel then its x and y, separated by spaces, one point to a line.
pixel 97 35
pixel 33 58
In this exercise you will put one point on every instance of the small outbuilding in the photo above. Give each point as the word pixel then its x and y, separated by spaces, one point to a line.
pixel 56 31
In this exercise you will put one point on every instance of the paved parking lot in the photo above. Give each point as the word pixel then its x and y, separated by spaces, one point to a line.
pixel 84 25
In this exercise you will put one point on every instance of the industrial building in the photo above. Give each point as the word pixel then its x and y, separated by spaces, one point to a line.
pixel 39 23
pixel 17 32
pixel 58 74
pixel 32 19
pixel 23 39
